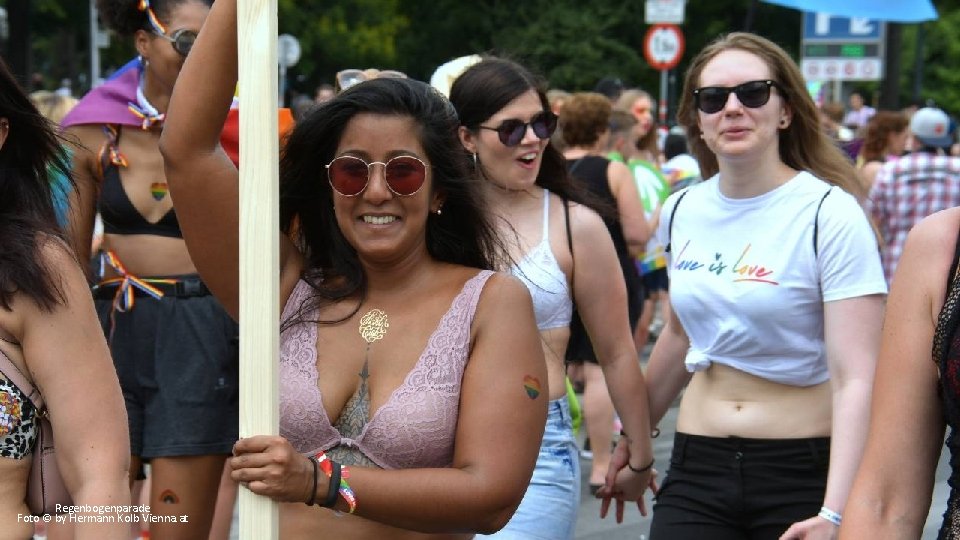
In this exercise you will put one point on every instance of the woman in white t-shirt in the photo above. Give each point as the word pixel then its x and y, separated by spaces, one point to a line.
pixel 777 291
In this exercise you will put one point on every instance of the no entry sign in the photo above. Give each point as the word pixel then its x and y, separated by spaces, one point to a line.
pixel 663 46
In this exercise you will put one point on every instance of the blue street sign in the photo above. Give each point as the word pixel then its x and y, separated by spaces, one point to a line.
pixel 825 27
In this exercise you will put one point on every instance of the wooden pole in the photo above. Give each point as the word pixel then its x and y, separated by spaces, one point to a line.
pixel 259 245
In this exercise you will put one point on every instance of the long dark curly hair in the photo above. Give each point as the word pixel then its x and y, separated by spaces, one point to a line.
pixel 29 157
pixel 125 17
pixel 463 234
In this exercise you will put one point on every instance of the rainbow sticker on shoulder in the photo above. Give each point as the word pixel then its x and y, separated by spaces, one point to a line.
pixel 532 386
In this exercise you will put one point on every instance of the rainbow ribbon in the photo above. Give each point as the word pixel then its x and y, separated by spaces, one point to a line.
pixel 124 299
pixel 144 5
pixel 111 148
pixel 147 119
pixel 345 491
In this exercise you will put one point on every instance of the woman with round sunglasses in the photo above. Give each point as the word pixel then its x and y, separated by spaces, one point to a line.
pixel 412 384
pixel 173 345
pixel 777 298
pixel 563 253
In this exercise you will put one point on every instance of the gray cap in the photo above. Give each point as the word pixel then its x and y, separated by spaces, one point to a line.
pixel 932 127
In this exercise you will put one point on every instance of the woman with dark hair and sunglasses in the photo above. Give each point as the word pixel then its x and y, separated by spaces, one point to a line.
pixel 173 345
pixel 412 384
pixel 777 298
pixel 564 253
pixel 49 337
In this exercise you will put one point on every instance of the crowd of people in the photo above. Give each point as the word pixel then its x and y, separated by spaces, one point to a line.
pixel 468 271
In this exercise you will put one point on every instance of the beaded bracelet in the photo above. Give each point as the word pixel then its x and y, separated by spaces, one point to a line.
pixel 830 515
pixel 313 494
pixel 327 466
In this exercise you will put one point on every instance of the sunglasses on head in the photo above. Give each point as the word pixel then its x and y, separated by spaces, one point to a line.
pixel 350 77
pixel 752 94
pixel 182 40
pixel 512 130
pixel 349 175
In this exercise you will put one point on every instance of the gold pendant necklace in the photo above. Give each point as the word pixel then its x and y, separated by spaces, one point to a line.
pixel 373 326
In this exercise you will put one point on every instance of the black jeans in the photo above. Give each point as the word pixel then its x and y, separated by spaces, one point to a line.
pixel 739 489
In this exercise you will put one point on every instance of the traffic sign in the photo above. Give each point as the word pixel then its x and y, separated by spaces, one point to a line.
pixel 663 11
pixel 841 48
pixel 826 27
pixel 663 46
pixel 288 50
pixel 841 69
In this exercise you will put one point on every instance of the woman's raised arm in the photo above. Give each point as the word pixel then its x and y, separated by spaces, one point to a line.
pixel 203 181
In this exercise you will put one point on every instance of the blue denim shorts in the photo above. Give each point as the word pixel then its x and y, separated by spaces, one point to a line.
pixel 549 507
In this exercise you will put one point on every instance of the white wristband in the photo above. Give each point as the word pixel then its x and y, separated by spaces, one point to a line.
pixel 830 515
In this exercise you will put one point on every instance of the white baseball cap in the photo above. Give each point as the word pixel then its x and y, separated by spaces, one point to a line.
pixel 932 127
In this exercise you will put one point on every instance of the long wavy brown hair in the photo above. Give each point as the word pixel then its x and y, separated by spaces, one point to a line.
pixel 803 144
pixel 879 128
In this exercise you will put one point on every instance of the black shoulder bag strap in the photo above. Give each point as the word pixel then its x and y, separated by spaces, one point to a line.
pixel 816 223
pixel 673 213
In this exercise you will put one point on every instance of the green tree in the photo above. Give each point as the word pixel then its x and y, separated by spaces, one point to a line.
pixel 342 34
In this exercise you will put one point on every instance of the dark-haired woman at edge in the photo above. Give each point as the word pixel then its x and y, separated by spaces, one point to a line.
pixel 49 332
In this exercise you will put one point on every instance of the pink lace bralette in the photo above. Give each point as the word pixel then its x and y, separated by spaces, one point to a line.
pixel 417 424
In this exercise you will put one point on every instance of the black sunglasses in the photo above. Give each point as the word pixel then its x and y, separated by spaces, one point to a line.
pixel 511 131
pixel 182 40
pixel 752 94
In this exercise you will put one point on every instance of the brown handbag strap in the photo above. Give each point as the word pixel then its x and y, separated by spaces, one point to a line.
pixel 14 375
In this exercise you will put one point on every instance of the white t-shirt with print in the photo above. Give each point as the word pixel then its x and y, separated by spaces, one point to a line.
pixel 746 284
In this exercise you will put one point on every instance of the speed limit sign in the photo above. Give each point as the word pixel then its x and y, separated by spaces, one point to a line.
pixel 663 46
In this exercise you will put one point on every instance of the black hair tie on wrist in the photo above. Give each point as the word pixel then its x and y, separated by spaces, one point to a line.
pixel 641 469
pixel 334 487
pixel 316 473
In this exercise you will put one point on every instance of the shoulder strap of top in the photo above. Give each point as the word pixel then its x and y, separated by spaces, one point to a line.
pixel 472 289
pixel 546 215
pixel 566 223
pixel 13 373
pixel 949 316
pixel 955 265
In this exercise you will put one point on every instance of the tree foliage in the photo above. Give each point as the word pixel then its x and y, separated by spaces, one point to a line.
pixel 571 42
